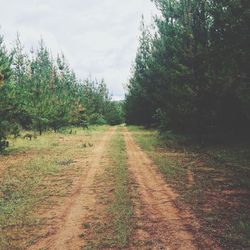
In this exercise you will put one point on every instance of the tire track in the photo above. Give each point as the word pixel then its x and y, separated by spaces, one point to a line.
pixel 70 215
pixel 159 223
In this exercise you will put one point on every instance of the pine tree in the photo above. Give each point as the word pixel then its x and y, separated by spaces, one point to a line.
pixel 8 104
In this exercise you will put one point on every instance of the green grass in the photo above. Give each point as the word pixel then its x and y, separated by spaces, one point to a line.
pixel 219 187
pixel 121 207
pixel 112 223
pixel 21 192
pixel 36 171
pixel 149 141
pixel 50 139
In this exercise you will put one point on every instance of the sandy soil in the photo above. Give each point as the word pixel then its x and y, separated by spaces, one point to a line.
pixel 68 218
pixel 159 223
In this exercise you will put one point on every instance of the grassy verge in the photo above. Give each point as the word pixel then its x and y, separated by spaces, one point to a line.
pixel 21 192
pixel 121 207
pixel 34 174
pixel 111 224
pixel 213 180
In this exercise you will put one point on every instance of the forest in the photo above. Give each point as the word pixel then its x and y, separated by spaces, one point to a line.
pixel 167 167
pixel 40 93
pixel 191 72
pixel 190 75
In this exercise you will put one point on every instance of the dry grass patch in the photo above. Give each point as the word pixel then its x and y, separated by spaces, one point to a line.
pixel 31 186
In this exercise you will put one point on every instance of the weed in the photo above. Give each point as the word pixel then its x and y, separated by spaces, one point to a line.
pixel 66 162
pixel 82 235
pixel 86 225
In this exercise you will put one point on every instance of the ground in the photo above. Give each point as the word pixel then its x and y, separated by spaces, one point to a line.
pixel 116 188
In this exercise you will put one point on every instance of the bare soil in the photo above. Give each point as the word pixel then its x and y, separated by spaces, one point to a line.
pixel 71 221
pixel 160 224
pixel 66 220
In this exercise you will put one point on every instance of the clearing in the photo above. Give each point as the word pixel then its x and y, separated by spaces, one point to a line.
pixel 103 188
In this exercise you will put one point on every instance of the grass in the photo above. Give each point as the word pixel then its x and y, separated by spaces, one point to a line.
pixel 32 174
pixel 121 207
pixel 21 192
pixel 112 222
pixel 213 180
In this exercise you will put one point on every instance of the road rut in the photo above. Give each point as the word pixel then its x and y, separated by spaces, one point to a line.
pixel 159 223
pixel 70 215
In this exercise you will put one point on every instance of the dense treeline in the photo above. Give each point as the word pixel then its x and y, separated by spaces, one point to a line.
pixel 39 93
pixel 191 72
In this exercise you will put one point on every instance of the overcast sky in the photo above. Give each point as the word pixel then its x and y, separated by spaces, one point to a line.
pixel 98 37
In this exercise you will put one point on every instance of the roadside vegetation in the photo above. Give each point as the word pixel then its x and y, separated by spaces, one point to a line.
pixel 190 82
pixel 112 225
pixel 214 181
pixel 190 74
pixel 34 175
pixel 42 93
pixel 121 207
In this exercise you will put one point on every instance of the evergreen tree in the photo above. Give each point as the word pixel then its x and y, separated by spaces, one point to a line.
pixel 39 93
pixel 8 102
pixel 195 76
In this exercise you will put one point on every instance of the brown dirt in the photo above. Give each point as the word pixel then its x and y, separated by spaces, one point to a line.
pixel 68 218
pixel 98 230
pixel 160 224
pixel 190 178
pixel 9 160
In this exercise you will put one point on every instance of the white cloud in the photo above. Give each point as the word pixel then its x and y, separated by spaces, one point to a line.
pixel 98 37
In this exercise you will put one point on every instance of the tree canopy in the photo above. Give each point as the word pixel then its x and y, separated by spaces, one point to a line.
pixel 191 72
pixel 39 92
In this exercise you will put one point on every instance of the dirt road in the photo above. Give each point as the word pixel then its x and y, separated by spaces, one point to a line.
pixel 65 233
pixel 159 223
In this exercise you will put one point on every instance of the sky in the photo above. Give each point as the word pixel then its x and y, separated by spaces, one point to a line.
pixel 98 37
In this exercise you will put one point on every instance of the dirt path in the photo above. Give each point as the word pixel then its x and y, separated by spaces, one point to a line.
pixel 159 223
pixel 65 233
